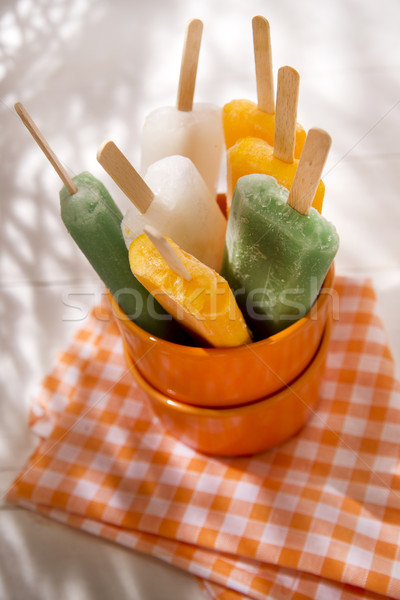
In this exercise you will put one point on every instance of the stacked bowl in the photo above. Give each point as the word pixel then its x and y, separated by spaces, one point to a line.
pixel 234 401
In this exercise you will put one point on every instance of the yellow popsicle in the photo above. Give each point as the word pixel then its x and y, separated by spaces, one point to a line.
pixel 253 155
pixel 242 118
pixel 276 158
pixel 202 302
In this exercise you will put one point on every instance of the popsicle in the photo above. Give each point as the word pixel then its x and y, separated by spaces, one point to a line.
pixel 278 250
pixel 254 155
pixel 191 130
pixel 243 118
pixel 172 197
pixel 94 221
pixel 195 295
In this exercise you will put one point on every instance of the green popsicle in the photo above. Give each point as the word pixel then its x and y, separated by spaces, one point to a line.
pixel 94 221
pixel 276 258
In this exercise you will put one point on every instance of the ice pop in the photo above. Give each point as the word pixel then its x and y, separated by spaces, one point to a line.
pixel 178 203
pixel 94 221
pixel 198 298
pixel 191 130
pixel 276 258
pixel 254 155
pixel 243 118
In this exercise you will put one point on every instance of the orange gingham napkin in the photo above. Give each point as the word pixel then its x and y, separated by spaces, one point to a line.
pixel 317 517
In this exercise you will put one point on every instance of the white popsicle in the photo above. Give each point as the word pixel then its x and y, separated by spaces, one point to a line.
pixel 196 134
pixel 183 209
pixel 191 130
pixel 173 198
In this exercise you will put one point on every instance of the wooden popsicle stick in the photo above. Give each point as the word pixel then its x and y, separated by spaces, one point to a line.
pixel 190 59
pixel 287 97
pixel 263 63
pixel 309 170
pixel 125 176
pixel 167 252
pixel 44 146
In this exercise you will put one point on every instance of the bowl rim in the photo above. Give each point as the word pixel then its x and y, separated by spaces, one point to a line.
pixel 196 351
pixel 233 411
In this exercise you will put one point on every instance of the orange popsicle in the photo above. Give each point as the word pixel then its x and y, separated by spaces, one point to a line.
pixel 195 295
pixel 243 118
pixel 253 155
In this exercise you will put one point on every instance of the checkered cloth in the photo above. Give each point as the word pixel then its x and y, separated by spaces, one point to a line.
pixel 317 517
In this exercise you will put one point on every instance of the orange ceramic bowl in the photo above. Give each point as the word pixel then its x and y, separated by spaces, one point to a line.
pixel 221 377
pixel 242 430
